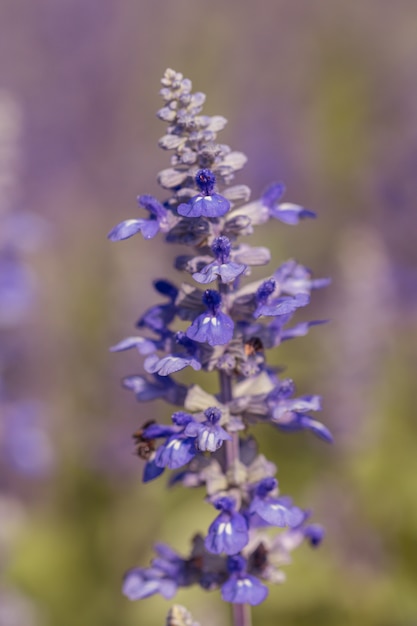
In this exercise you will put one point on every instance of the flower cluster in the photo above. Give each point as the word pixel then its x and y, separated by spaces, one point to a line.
pixel 230 323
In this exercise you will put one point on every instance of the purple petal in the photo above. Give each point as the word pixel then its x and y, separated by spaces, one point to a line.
pixel 208 274
pixel 128 228
pixel 300 330
pixel 169 364
pixel 143 389
pixel 317 428
pixel 155 431
pixel 205 206
pixel 150 228
pixel 136 585
pixel 211 437
pixel 153 206
pixel 151 471
pixel 244 589
pixel 175 453
pixel 142 583
pixel 228 533
pixel 270 510
pixel 144 346
pixel 289 213
pixel 273 194
pixel 230 271
pixel 215 330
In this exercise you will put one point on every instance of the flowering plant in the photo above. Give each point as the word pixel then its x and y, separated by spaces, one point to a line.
pixel 232 322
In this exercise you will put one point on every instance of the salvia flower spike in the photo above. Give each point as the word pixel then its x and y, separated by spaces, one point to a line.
pixel 230 325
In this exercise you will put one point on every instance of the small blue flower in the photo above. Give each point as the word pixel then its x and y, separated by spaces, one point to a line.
pixel 141 583
pixel 187 355
pixel 207 204
pixel 229 531
pixel 169 562
pixel 143 345
pixel 210 435
pixel 148 227
pixel 242 588
pixel 272 307
pixel 169 364
pixel 300 330
pixel 290 414
pixel 177 451
pixel 213 326
pixel 160 387
pixel 285 212
pixel 166 574
pixel 222 267
pixel 294 278
pixel 274 511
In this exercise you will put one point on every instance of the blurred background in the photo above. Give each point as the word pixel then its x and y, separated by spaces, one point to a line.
pixel 321 95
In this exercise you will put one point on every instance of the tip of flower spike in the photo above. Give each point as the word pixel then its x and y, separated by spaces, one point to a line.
pixel 205 181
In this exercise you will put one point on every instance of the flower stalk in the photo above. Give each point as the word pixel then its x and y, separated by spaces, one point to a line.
pixel 232 322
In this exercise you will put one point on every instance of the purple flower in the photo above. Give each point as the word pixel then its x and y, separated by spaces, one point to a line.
pixel 169 364
pixel 141 583
pixel 294 278
pixel 213 326
pixel 222 267
pixel 241 587
pixel 229 531
pixel 187 355
pixel 285 212
pixel 148 227
pixel 274 511
pixel 210 435
pixel 142 344
pixel 166 574
pixel 177 451
pixel 290 414
pixel 207 204
pixel 160 387
pixel 276 306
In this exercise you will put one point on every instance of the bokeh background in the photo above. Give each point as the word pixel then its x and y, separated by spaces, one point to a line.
pixel 320 94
